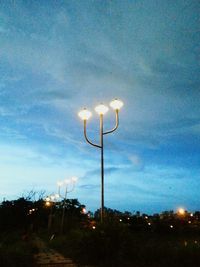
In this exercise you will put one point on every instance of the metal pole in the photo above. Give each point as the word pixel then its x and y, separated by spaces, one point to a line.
pixel 101 146
pixel 63 213
pixel 102 167
pixel 50 218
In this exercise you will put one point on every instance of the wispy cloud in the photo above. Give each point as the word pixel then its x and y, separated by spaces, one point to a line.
pixel 137 162
pixel 89 186
pixel 57 58
pixel 95 172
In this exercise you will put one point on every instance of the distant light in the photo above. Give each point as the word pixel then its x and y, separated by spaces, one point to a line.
pixel 85 114
pixel 128 218
pixel 195 241
pixel 146 217
pixel 149 223
pixel 181 211
pixel 120 220
pixel 84 211
pixel 189 222
pixel 31 211
pixel 171 226
pixel 101 109
pixel 94 227
pixel 191 214
pixel 47 203
pixel 116 104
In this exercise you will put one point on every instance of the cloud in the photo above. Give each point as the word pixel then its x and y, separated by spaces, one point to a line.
pixel 55 59
pixel 63 135
pixel 137 162
pixel 9 133
pixel 5 112
pixel 95 172
pixel 89 186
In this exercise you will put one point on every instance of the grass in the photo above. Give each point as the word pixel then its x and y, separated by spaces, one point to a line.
pixel 16 250
pixel 114 245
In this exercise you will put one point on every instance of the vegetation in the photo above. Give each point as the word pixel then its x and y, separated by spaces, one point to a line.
pixel 16 249
pixel 116 243
pixel 124 239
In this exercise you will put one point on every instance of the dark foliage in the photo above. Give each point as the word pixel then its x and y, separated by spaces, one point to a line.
pixel 16 250
pixel 113 244
pixel 124 239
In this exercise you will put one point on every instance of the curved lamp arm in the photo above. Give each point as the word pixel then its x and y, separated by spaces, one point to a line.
pixel 66 192
pixel 72 189
pixel 85 134
pixel 116 123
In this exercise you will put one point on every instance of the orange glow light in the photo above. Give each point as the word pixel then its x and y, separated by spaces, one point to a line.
pixel 181 211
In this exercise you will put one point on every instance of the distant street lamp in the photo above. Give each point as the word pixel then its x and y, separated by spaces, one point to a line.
pixel 49 203
pixel 181 211
pixel 101 110
pixel 66 183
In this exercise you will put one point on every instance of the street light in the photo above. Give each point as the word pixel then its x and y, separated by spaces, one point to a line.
pixel 101 109
pixel 85 114
pixel 181 211
pixel 66 183
pixel 49 203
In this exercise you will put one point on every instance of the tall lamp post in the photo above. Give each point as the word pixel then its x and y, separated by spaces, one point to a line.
pixel 66 183
pixel 49 203
pixel 101 110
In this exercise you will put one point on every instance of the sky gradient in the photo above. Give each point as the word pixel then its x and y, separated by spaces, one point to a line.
pixel 57 57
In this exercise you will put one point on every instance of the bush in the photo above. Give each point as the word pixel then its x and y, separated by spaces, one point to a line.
pixel 103 246
pixel 16 252
pixel 114 245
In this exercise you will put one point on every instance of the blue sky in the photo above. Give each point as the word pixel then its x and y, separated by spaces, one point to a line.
pixel 59 56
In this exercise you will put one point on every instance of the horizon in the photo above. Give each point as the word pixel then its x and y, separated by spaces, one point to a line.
pixel 132 212
pixel 60 56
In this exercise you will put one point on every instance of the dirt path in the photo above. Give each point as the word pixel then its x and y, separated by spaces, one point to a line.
pixel 49 258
